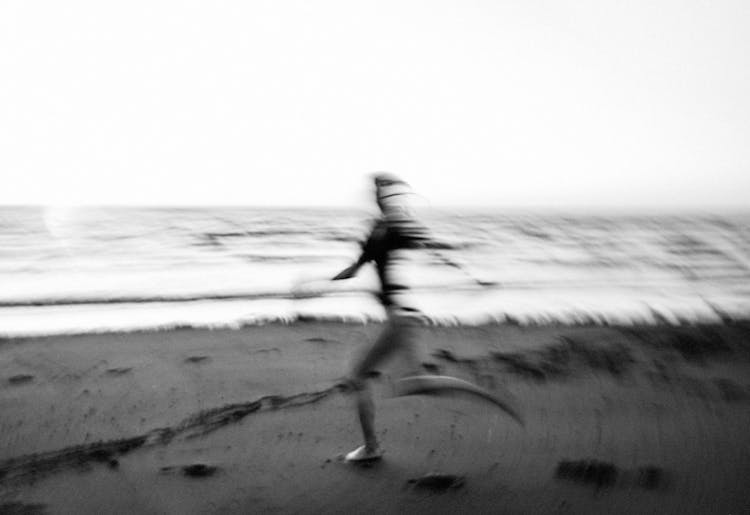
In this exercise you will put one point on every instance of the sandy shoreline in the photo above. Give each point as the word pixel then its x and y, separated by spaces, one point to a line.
pixel 619 420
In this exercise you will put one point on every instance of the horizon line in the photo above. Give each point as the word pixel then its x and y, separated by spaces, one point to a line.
pixel 548 208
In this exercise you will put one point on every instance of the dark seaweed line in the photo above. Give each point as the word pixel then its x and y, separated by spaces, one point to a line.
pixel 36 466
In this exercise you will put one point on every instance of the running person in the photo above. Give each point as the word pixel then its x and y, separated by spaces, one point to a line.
pixel 394 231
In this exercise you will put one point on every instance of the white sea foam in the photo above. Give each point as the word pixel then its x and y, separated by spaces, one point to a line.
pixel 126 317
pixel 464 308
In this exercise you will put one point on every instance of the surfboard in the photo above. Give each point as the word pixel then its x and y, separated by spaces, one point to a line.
pixel 435 384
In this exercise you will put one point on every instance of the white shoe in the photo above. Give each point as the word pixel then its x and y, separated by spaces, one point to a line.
pixel 362 454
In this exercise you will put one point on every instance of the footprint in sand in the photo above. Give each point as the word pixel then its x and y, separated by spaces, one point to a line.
pixel 273 351
pixel 197 359
pixel 431 368
pixel 437 482
pixel 594 472
pixel 20 379
pixel 118 371
pixel 194 470
pixel 321 341
pixel 601 474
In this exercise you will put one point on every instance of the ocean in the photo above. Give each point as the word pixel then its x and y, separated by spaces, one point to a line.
pixel 90 270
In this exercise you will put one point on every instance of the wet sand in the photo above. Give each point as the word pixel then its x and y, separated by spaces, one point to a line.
pixel 618 420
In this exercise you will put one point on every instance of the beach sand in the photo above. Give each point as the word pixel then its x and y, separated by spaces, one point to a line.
pixel 618 420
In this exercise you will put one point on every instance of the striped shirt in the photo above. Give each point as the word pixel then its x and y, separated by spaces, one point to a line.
pixel 386 237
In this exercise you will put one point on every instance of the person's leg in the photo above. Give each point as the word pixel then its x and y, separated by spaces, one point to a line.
pixel 366 414
pixel 388 341
pixel 406 345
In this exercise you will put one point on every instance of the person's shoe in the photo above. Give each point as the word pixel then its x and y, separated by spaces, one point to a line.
pixel 362 453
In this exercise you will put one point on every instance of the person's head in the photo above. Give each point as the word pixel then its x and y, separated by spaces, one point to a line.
pixel 390 192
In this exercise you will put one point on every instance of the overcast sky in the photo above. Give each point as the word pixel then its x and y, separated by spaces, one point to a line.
pixel 556 103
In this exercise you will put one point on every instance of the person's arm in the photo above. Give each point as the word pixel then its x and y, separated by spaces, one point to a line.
pixel 351 270
pixel 364 257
